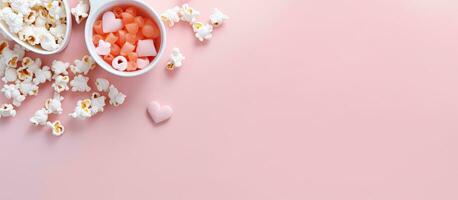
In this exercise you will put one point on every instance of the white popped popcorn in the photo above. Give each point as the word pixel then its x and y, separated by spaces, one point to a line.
pixel 48 41
pixel 7 110
pixel 82 110
pixel 203 31
pixel 23 6
pixel 40 117
pixel 42 75
pixel 102 84
pixel 61 84
pixel 32 65
pixel 217 18
pixel 56 10
pixel 176 59
pixel 12 92
pixel 80 11
pixel 116 98
pixel 58 31
pixel 83 66
pixel 14 21
pixel 19 51
pixel 97 103
pixel 54 105
pixel 188 14
pixel 59 68
pixel 10 57
pixel 56 127
pixel 27 87
pixel 23 73
pixel 119 63
pixel 79 84
pixel 171 16
pixel 10 75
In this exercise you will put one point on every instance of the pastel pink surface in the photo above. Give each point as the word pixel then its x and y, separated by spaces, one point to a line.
pixel 302 99
pixel 110 23
pixel 146 48
pixel 158 112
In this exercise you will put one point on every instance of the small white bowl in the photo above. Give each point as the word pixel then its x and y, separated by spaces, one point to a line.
pixel 37 49
pixel 97 8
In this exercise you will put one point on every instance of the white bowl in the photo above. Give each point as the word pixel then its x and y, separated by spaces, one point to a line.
pixel 97 8
pixel 37 49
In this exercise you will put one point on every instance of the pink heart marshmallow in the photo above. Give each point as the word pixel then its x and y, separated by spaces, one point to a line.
pixel 146 48
pixel 110 23
pixel 159 113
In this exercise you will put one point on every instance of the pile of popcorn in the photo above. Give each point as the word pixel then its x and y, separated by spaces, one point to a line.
pixel 23 75
pixel 38 22
pixel 202 31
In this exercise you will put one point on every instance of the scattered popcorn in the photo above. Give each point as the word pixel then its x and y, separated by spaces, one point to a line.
pixel 171 16
pixel 28 88
pixel 176 59
pixel 12 92
pixel 61 84
pixel 56 127
pixel 218 17
pixel 120 63
pixel 32 65
pixel 203 31
pixel 7 110
pixel 102 84
pixel 82 110
pixel 188 14
pixel 59 68
pixel 23 73
pixel 104 48
pixel 83 66
pixel 79 84
pixel 116 98
pixel 40 117
pixel 42 75
pixel 54 105
pixel 81 11
pixel 10 57
pixel 10 75
pixel 97 103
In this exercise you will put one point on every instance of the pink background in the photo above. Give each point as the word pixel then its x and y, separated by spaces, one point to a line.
pixel 292 99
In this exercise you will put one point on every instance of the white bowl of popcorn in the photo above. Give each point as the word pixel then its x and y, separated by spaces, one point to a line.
pixel 40 26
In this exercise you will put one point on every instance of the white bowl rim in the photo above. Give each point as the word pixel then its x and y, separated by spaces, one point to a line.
pixel 95 13
pixel 4 28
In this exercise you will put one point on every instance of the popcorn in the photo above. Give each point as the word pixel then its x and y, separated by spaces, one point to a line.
pixel 97 103
pixel 56 9
pixel 82 110
pixel 80 12
pixel 40 117
pixel 31 35
pixel 19 51
pixel 56 127
pixel 59 31
pixel 116 98
pixel 32 65
pixel 28 88
pixel 10 75
pixel 42 75
pixel 23 73
pixel 31 17
pixel 176 59
pixel 12 92
pixel 102 84
pixel 10 58
pixel 79 84
pixel 203 31
pixel 54 105
pixel 13 20
pixel 48 41
pixel 83 66
pixel 61 84
pixel 120 63
pixel 7 110
pixel 171 16
pixel 188 14
pixel 59 68
pixel 104 48
pixel 218 17
pixel 23 6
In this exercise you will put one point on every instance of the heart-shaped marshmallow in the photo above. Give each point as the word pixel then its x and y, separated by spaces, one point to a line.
pixel 110 23
pixel 159 113
pixel 104 48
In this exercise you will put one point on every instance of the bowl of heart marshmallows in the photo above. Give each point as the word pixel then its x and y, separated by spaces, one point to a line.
pixel 126 39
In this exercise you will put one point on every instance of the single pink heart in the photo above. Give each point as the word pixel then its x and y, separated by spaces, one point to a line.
pixel 159 113
pixel 110 23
